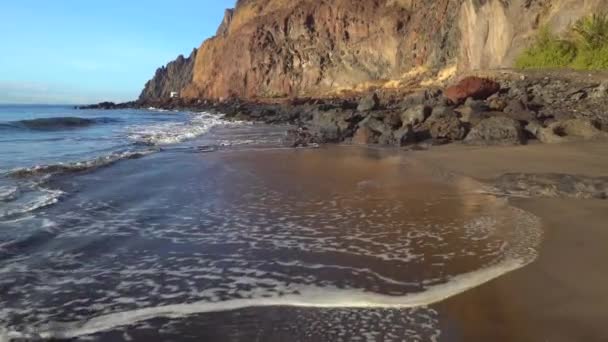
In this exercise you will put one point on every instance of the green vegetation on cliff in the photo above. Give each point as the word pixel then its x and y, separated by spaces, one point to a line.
pixel 584 47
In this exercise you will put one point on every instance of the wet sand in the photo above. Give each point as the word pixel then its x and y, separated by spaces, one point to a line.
pixel 270 244
pixel 563 295
pixel 228 245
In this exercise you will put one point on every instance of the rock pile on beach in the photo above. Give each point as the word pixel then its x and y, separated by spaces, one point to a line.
pixel 474 111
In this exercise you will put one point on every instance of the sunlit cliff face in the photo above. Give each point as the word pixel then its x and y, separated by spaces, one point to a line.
pixel 275 48
pixel 279 48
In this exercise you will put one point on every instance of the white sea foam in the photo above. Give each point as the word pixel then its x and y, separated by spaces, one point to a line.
pixel 8 193
pixel 27 196
pixel 41 170
pixel 30 201
pixel 246 276
pixel 175 132
pixel 309 297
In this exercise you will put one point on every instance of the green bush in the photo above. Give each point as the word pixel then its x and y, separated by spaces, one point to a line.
pixel 548 51
pixel 591 32
pixel 591 59
pixel 585 47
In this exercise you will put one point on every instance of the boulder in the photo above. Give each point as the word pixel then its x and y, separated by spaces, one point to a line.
pixel 387 139
pixel 518 110
pixel 477 105
pixel 601 91
pixel 376 125
pixel 474 87
pixel 333 126
pixel 443 124
pixel 441 112
pixel 300 137
pixel 420 98
pixel 579 127
pixel 415 115
pixel 515 105
pixel 533 128
pixel 405 136
pixel 548 136
pixel 393 119
pixel 368 103
pixel 496 103
pixel 473 111
pixel 497 131
pixel 567 130
pixel 473 118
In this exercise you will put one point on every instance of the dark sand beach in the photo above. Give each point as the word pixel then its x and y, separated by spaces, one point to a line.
pixel 332 244
pixel 563 295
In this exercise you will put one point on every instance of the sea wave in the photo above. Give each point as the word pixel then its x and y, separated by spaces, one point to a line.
pixel 308 297
pixel 55 123
pixel 175 132
pixel 88 165
pixel 28 201
pixel 8 193
pixel 522 251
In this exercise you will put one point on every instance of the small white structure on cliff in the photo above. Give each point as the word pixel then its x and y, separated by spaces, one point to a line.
pixel 174 95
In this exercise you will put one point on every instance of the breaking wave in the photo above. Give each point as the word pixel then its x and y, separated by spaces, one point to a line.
pixel 28 200
pixel 175 132
pixel 55 123
pixel 88 165
pixel 307 297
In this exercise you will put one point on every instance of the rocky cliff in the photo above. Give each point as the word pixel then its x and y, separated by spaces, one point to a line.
pixel 171 78
pixel 277 48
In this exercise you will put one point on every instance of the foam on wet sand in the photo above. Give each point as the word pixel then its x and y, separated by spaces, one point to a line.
pixel 260 229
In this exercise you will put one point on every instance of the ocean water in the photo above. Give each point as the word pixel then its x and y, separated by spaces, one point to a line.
pixel 148 225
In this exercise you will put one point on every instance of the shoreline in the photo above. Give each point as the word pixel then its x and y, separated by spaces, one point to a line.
pixel 489 108
pixel 560 288
pixel 562 295
pixel 557 170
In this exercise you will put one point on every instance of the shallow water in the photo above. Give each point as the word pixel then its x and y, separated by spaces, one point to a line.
pixel 39 141
pixel 254 242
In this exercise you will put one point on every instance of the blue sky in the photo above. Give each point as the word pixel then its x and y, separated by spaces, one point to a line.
pixel 85 51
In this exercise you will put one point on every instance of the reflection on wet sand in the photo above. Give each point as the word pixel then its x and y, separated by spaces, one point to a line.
pixel 325 229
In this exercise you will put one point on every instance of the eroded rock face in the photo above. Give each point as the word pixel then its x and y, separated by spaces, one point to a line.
pixel 274 48
pixel 277 48
pixel 171 78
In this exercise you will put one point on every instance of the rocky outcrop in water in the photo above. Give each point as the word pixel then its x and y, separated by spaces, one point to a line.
pixel 171 78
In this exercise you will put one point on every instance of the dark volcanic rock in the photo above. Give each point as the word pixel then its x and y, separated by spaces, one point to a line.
pixel 172 78
pixel 109 106
pixel 369 102
pixel 444 125
pixel 334 126
pixel 415 115
pixel 497 131
pixel 566 130
pixel 553 185
pixel 300 137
